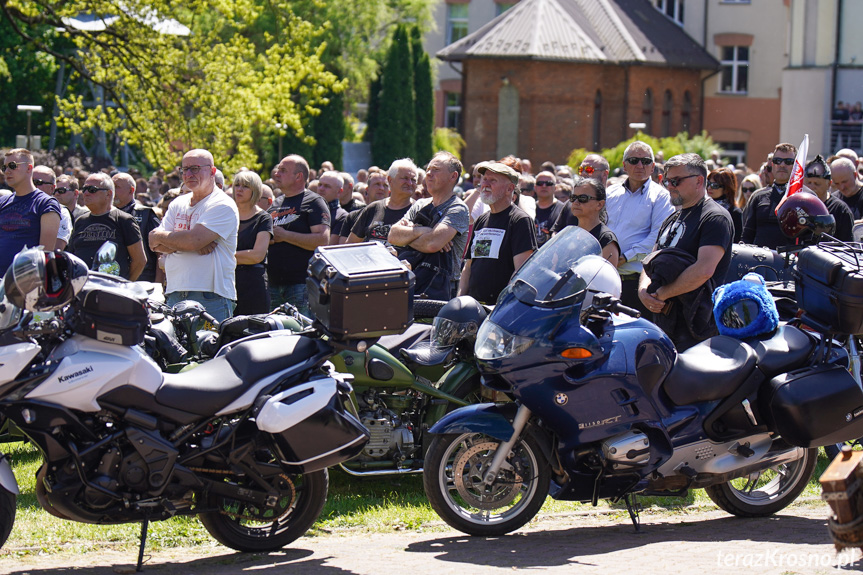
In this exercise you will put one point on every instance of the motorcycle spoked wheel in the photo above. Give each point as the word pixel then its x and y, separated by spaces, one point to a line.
pixel 248 528
pixel 454 467
pixel 765 492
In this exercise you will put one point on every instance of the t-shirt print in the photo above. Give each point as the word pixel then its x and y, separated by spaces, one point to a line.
pixel 284 217
pixel 487 243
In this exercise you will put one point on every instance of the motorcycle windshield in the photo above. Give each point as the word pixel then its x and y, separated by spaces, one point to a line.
pixel 550 277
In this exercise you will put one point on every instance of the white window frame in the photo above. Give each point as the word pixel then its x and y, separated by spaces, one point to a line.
pixel 672 9
pixel 452 21
pixel 736 63
pixel 501 7
pixel 452 109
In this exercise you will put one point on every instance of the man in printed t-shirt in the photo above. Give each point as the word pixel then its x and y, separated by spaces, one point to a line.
pixel 301 223
pixel 503 238
pixel 376 219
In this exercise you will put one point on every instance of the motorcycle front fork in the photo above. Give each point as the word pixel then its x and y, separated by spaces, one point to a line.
pixel 503 450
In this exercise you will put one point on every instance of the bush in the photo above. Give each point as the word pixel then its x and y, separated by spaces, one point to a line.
pixel 701 144
pixel 448 140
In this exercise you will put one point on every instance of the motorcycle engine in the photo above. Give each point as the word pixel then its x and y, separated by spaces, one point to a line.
pixel 626 451
pixel 390 437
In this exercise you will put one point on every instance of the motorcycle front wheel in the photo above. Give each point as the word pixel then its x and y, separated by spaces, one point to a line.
pixel 246 527
pixel 7 514
pixel 765 492
pixel 454 468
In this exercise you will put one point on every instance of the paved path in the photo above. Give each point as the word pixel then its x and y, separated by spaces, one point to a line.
pixel 703 542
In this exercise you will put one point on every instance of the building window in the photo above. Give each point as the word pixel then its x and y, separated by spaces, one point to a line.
pixel 667 105
pixel 673 9
pixel 647 112
pixel 501 7
pixel 734 78
pixel 597 120
pixel 452 111
pixel 686 113
pixel 456 22
pixel 733 153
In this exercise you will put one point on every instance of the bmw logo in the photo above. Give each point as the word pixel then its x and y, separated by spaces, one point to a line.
pixel 561 399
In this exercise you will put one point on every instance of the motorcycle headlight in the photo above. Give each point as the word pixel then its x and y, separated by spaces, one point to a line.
pixel 494 342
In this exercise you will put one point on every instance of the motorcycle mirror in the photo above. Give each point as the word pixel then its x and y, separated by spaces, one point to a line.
pixel 188 307
pixel 107 253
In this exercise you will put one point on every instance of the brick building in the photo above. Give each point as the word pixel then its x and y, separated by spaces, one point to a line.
pixel 596 66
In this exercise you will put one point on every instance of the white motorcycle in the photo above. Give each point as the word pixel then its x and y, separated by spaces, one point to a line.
pixel 243 441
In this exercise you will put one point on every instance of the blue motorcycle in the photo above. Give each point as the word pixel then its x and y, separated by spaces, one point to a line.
pixel 606 408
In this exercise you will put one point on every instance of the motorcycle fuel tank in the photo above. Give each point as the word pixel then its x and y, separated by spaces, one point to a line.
pixel 14 358
pixel 89 368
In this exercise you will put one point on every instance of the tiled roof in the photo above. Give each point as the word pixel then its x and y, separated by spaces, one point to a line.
pixel 613 31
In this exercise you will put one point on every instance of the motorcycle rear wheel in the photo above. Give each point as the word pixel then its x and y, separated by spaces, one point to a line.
pixel 765 492
pixel 7 514
pixel 242 526
pixel 454 467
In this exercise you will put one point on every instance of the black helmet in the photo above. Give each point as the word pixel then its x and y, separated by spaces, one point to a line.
pixel 458 320
pixel 44 281
pixel 802 212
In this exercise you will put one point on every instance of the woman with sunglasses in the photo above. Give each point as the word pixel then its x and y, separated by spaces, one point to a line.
pixel 722 187
pixel 587 203
pixel 748 185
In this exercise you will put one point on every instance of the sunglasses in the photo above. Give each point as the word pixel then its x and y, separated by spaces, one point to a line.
pixel 10 166
pixel 747 190
pixel 37 182
pixel 714 185
pixel 193 170
pixel 786 161
pixel 636 161
pixel 821 176
pixel 581 198
pixel 93 189
pixel 586 170
pixel 61 190
pixel 544 184
pixel 674 182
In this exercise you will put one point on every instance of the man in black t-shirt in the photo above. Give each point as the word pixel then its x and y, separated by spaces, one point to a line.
pixel 146 218
pixel 703 229
pixel 760 224
pixel 330 186
pixel 301 223
pixel 849 188
pixel 548 208
pixel 502 239
pixel 105 223
pixel 376 219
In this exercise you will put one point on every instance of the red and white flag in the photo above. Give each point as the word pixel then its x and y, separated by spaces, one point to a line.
pixel 795 183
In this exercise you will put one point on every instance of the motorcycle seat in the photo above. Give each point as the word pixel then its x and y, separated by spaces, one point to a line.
pixel 709 371
pixel 787 349
pixel 415 334
pixel 213 385
pixel 425 354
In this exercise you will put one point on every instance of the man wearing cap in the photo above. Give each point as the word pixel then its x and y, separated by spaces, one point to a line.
pixel 435 226
pixel 503 238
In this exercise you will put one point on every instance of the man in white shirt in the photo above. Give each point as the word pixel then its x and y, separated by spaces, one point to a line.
pixel 199 234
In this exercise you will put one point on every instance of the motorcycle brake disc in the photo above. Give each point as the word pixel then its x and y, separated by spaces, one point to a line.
pixel 470 464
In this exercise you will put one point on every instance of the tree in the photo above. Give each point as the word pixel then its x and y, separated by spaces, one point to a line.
pixel 214 88
pixel 329 130
pixel 395 134
pixel 424 98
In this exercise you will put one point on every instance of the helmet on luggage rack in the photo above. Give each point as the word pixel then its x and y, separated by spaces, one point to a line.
pixel 42 281
pixel 457 320
pixel 803 212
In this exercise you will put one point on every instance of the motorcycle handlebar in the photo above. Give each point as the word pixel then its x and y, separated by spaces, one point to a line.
pixel 618 307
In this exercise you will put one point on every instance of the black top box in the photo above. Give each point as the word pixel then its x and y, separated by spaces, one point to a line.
pixel 360 291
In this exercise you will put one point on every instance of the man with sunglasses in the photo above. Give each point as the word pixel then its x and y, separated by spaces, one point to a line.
pixel 67 193
pixel 105 223
pixel 760 223
pixel 636 210
pixel 44 179
pixel 199 235
pixel 29 217
pixel 548 207
pixel 816 177
pixel 690 258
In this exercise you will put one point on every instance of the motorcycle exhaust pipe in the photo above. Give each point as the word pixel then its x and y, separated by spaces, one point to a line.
pixel 766 462
pixel 374 473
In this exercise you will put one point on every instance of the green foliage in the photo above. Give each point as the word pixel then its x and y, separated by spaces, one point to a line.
pixel 329 132
pixel 374 100
pixel 424 98
pixel 448 140
pixel 395 133
pixel 701 144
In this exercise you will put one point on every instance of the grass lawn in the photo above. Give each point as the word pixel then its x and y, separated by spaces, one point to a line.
pixel 372 505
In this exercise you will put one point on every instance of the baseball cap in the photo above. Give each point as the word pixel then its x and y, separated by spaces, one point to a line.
pixel 498 168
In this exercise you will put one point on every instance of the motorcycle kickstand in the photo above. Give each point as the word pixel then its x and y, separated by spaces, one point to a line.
pixel 633 508
pixel 144 525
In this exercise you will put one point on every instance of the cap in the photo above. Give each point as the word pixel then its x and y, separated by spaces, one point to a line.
pixel 499 168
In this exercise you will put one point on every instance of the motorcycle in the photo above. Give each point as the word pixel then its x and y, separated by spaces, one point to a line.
pixel 402 384
pixel 243 442
pixel 605 407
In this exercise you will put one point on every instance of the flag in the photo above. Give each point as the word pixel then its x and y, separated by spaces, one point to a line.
pixel 795 183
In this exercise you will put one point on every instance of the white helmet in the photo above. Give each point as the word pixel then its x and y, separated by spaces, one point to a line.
pixel 600 275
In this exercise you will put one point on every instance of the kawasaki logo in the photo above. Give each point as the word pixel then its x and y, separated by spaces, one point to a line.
pixel 599 423
pixel 86 370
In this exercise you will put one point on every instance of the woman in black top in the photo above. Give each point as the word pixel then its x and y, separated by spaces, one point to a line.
pixel 253 239
pixel 587 203
pixel 722 187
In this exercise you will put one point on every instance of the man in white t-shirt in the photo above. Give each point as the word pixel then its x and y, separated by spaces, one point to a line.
pixel 199 234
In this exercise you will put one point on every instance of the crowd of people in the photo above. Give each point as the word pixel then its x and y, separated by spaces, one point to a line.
pixel 242 246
